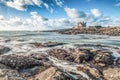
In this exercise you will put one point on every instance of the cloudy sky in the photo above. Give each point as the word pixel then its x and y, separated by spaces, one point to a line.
pixel 57 14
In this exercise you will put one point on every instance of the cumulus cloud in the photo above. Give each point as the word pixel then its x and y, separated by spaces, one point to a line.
pixel 74 14
pixel 35 22
pixel 96 12
pixel 22 5
pixel 95 17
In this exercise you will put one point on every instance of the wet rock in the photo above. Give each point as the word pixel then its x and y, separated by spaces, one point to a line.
pixel 7 73
pixel 93 73
pixel 112 74
pixel 82 55
pixel 61 54
pixel 4 49
pixel 38 56
pixel 47 44
pixel 19 61
pixel 75 55
pixel 53 73
pixel 103 58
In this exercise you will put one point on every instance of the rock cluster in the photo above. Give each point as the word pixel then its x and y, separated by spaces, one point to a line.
pixel 115 31
pixel 19 62
pixel 83 56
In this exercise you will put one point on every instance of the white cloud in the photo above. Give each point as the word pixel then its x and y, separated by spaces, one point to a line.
pixel 118 4
pixel 22 5
pixel 75 15
pixel 36 22
pixel 60 3
pixel 96 12
pixel 1 17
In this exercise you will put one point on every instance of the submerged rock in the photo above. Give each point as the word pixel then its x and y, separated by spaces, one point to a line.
pixel 19 61
pixel 47 44
pixel 4 49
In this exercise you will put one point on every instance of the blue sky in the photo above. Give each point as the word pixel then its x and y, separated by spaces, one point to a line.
pixel 56 14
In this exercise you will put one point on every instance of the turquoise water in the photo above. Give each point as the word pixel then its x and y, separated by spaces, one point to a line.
pixel 55 37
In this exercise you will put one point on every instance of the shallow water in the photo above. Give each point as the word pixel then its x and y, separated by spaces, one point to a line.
pixel 55 37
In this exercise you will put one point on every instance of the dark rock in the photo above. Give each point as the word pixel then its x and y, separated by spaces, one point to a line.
pixel 82 55
pixel 4 49
pixel 7 73
pixel 74 55
pixel 103 58
pixel 47 44
pixel 61 54
pixel 38 56
pixel 19 61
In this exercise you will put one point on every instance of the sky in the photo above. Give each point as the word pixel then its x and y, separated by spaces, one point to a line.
pixel 57 14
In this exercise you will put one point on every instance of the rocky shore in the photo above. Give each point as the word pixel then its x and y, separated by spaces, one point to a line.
pixel 112 31
pixel 56 61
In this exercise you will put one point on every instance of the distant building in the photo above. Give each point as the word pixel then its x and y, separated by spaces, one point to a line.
pixel 80 25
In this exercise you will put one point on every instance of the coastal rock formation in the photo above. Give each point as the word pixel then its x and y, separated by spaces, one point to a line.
pixel 19 61
pixel 4 49
pixel 112 31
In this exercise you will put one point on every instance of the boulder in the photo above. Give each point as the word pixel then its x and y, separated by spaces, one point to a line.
pixel 7 73
pixel 82 55
pixel 19 61
pixel 103 58
pixel 61 54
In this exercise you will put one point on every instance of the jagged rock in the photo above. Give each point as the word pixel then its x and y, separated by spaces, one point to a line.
pixel 7 73
pixel 38 56
pixel 47 44
pixel 91 72
pixel 19 61
pixel 75 55
pixel 103 58
pixel 61 54
pixel 4 49
pixel 112 74
pixel 82 55
pixel 115 31
pixel 53 73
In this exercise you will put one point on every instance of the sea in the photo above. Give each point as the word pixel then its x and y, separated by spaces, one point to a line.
pixel 38 36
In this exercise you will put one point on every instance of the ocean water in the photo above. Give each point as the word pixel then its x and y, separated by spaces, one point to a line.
pixel 56 37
